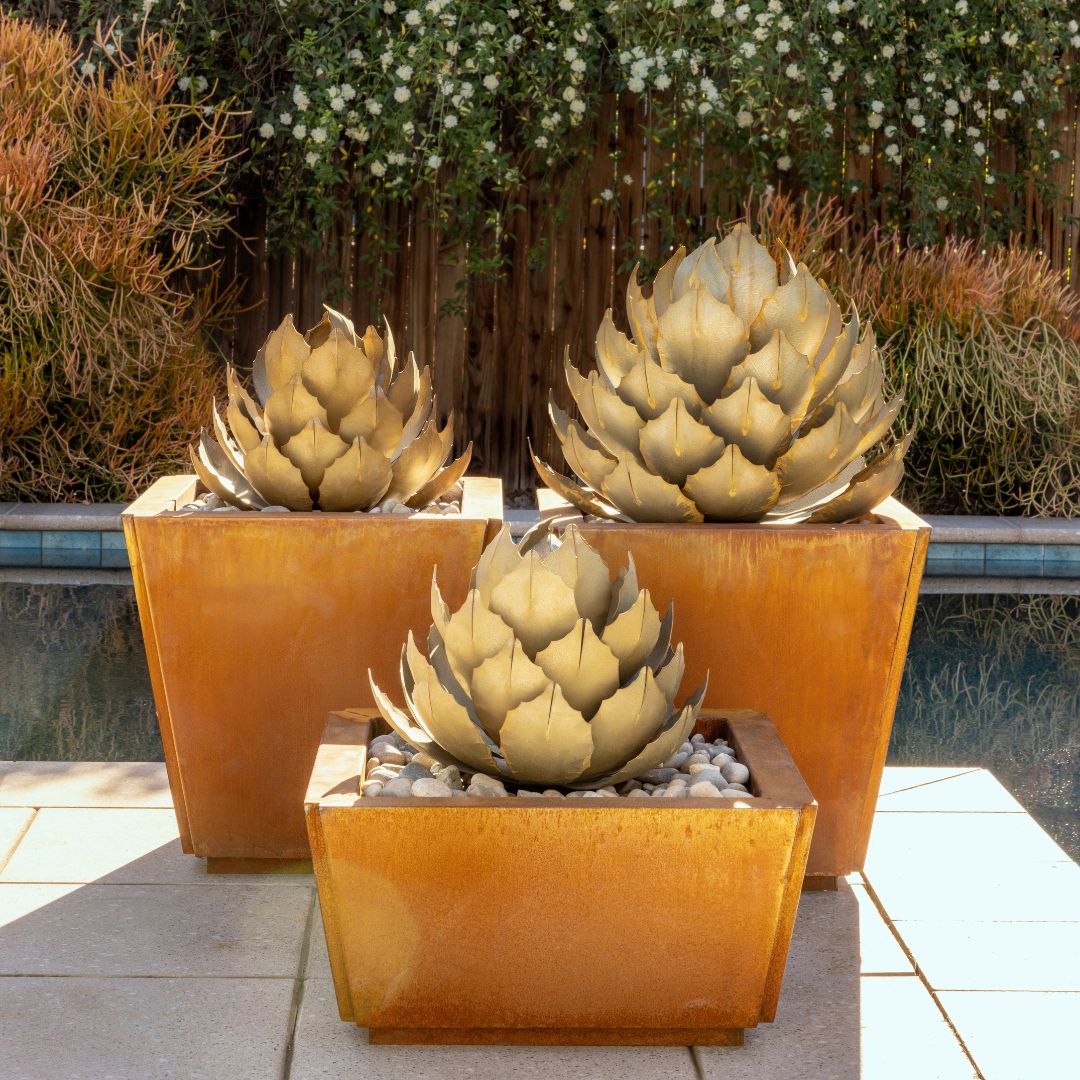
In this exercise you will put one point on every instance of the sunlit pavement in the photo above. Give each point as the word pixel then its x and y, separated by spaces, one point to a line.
pixel 957 955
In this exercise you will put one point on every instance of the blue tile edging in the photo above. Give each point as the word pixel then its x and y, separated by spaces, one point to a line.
pixel 91 536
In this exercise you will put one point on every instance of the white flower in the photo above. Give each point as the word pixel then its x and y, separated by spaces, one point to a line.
pixel 378 168
pixel 359 134
pixel 948 126
pixel 402 94
pixel 450 120
pixel 635 85
pixel 541 141
pixel 491 82
pixel 285 118
pixel 704 108
pixel 347 92
pixel 412 18
pixel 952 107
pixel 183 84
pixel 318 136
pixel 404 73
pixel 838 37
pixel 761 33
pixel 396 158
pixel 833 7
pixel 989 179
pixel 300 131
pixel 748 48
pixel 794 115
pixel 864 148
pixel 792 71
pixel 783 46
pixel 993 84
pixel 389 7
pixel 201 84
pixel 890 131
pixel 300 99
pixel 785 23
pixel 973 132
pixel 266 130
pixel 978 149
pixel 743 118
pixel 888 51
pixel 964 94
pixel 941 202
pixel 662 81
pixel 961 9
pixel 717 10
pixel 607 194
pixel 1018 96
pixel 873 121
pixel 1010 38
pixel 783 163
pixel 489 146
pixel 434 161
pixel 918 121
pixel 577 66
pixel 1001 114
pixel 912 104
pixel 311 158
pixel 577 107
pixel 742 13
pixel 627 179
pixel 355 55
pixel 566 5
pixel 337 103
pixel 374 107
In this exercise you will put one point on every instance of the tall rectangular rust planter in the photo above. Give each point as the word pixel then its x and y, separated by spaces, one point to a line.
pixel 256 624
pixel 550 920
pixel 808 622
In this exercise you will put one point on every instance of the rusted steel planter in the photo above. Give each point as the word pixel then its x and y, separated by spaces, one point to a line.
pixel 807 622
pixel 549 920
pixel 256 624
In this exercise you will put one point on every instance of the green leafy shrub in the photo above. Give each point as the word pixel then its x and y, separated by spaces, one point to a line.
pixel 109 187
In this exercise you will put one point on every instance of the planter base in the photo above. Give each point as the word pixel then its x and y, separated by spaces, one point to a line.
pixel 820 883
pixel 556 1036
pixel 226 865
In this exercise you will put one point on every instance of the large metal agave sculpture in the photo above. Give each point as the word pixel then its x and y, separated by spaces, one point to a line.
pixel 741 396
pixel 336 427
pixel 548 674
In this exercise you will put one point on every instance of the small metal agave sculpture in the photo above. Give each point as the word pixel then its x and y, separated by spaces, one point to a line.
pixel 742 396
pixel 338 428
pixel 548 674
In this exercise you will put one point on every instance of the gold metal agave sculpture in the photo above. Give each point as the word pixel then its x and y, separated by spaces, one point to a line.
pixel 548 674
pixel 337 426
pixel 741 396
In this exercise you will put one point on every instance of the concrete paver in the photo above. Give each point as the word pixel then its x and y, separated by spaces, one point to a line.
pixel 1018 1036
pixel 144 1029
pixel 85 783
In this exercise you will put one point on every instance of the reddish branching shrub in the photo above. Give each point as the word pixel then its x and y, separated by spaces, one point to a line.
pixel 109 193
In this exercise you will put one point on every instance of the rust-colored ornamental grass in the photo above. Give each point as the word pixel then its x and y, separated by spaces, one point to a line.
pixel 109 188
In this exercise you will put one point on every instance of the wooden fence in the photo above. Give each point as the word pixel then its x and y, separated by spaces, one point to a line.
pixel 496 364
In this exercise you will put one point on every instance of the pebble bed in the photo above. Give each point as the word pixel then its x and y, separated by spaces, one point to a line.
pixel 450 503
pixel 698 769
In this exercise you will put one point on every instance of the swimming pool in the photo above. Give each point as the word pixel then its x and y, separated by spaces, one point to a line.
pixel 991 681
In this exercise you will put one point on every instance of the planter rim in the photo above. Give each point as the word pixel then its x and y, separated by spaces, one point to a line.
pixel 890 515
pixel 481 500
pixel 342 759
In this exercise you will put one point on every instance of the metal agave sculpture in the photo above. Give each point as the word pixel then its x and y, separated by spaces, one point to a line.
pixel 336 427
pixel 548 674
pixel 742 396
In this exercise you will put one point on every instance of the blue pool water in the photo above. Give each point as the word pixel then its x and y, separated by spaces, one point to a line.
pixel 991 681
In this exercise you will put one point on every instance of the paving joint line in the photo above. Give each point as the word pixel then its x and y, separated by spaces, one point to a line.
pixel 930 783
pixel 298 986
pixel 22 834
pixel 921 975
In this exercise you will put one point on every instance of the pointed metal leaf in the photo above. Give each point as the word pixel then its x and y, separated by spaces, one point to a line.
pixel 312 449
pixel 545 741
pixel 644 496
pixel 357 480
pixel 676 445
pixel 586 670
pixel 276 478
pixel 746 417
pixel 733 488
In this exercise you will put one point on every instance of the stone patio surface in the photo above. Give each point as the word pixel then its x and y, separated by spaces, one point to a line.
pixel 956 956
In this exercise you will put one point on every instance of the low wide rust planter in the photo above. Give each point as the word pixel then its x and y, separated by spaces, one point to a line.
pixel 549 920
pixel 809 622
pixel 257 624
